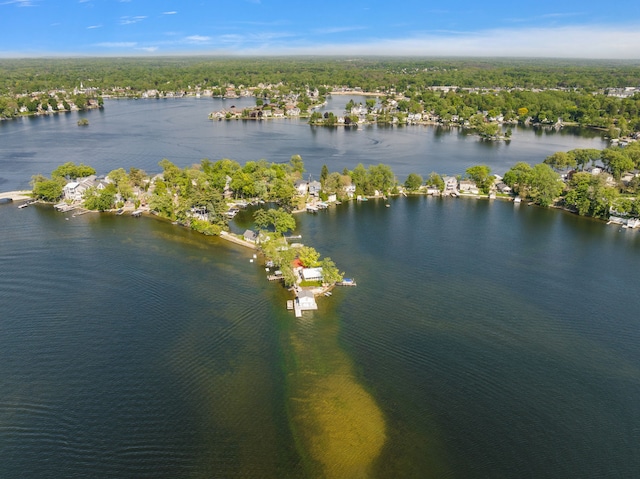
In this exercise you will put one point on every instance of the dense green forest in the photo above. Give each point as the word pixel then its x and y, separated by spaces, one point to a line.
pixel 370 74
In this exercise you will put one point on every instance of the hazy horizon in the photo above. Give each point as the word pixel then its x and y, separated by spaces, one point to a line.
pixel 570 30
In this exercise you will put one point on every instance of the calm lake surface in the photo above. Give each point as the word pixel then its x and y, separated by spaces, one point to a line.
pixel 140 133
pixel 483 339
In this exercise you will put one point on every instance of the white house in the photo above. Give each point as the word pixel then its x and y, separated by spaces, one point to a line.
pixel 350 190
pixel 314 188
pixel 306 300
pixel 468 186
pixel 450 185
pixel 302 187
pixel 312 274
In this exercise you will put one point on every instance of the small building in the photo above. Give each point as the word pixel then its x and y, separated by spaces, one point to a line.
pixel 301 187
pixel 469 187
pixel 314 188
pixel 503 188
pixel 450 185
pixel 250 236
pixel 312 274
pixel 306 300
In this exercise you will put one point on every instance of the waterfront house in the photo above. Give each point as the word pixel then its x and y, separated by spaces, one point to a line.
pixel 450 185
pixel 69 190
pixel 312 274
pixel 302 187
pixel 250 236
pixel 314 188
pixel 74 190
pixel 468 186
pixel 503 188
pixel 307 300
pixel 350 190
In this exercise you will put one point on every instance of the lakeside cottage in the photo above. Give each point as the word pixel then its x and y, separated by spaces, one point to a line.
pixel 250 236
pixel 312 274
pixel 306 300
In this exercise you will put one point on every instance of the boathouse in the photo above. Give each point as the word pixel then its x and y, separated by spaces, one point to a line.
pixel 306 300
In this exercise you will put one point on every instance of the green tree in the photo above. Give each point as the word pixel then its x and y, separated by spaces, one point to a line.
pixel 584 156
pixel 481 176
pixel 297 165
pixel 47 190
pixel 330 273
pixel 359 179
pixel 518 177
pixel 545 184
pixel 413 182
pixel 324 173
pixel 616 161
pixel 436 180
pixel 309 257
pixel 279 219
pixel 380 177
pixel 560 161
pixel 589 195
pixel 100 200
pixel 71 171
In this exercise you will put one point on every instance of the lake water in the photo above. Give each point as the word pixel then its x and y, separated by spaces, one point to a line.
pixel 140 133
pixel 483 339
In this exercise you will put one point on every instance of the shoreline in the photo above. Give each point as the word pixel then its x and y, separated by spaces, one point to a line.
pixel 17 195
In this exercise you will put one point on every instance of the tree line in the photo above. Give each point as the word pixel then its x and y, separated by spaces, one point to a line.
pixel 537 90
pixel 589 182
pixel 368 73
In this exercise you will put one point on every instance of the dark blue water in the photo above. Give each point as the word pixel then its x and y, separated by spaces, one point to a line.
pixel 500 341
pixel 492 340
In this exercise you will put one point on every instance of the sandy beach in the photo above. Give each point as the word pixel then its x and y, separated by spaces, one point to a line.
pixel 17 195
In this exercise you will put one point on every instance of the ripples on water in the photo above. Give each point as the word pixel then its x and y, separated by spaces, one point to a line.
pixel 489 340
pixel 486 336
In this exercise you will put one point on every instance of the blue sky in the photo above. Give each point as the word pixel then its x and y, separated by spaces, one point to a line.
pixel 567 28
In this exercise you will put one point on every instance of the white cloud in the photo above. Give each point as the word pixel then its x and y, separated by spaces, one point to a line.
pixel 148 49
pixel 19 3
pixel 169 13
pixel 132 20
pixel 604 42
pixel 92 27
pixel 332 30
pixel 197 39
pixel 116 44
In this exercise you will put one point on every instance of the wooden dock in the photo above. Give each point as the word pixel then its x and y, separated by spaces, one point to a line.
pixel 296 308
pixel 63 207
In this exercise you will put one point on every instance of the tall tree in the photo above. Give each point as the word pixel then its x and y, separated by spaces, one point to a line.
pixel 297 165
pixel 324 173
pixel 545 184
pixel 413 182
pixel 481 176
